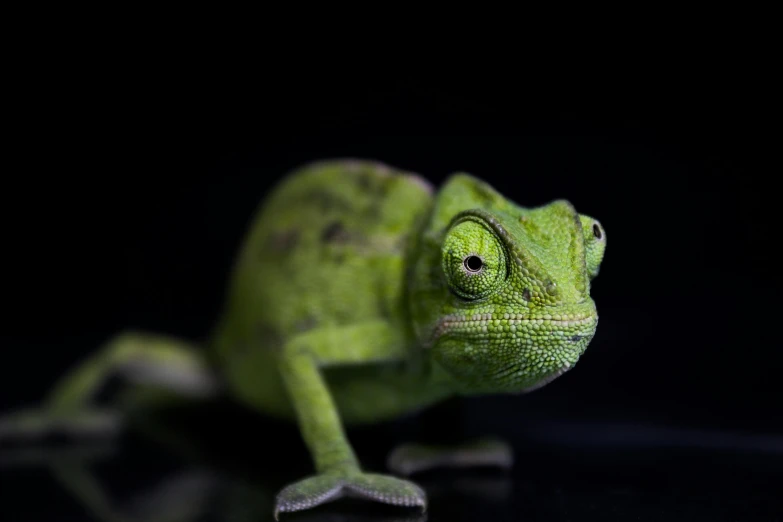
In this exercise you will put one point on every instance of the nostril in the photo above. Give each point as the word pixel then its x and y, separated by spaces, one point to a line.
pixel 576 338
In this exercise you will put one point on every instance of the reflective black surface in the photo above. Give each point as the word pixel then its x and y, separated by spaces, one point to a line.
pixel 219 465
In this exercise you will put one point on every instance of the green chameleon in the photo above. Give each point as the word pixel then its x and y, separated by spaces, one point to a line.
pixel 361 294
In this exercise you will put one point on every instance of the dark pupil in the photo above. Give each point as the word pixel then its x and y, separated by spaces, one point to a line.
pixel 473 263
pixel 597 231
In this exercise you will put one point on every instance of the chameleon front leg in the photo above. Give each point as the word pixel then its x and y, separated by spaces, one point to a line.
pixel 71 407
pixel 339 473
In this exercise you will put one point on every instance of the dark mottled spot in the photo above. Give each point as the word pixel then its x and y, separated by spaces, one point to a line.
pixel 576 338
pixel 364 181
pixel 327 201
pixel 577 220
pixel 383 188
pixel 373 212
pixel 268 339
pixel 526 294
pixel 374 181
pixel 283 241
pixel 334 233
pixel 597 231
pixel 308 323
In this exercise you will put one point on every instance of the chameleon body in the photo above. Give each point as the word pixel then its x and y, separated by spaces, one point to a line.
pixel 362 294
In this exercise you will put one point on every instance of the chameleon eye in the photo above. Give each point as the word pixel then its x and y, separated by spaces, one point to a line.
pixel 473 263
pixel 474 259
pixel 595 244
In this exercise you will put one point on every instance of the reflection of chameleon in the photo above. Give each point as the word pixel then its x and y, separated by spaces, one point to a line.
pixel 360 295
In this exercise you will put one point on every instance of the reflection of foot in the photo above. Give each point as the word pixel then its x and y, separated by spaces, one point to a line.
pixel 34 424
pixel 184 496
pixel 324 488
pixel 359 517
pixel 413 458
pixel 469 486
pixel 26 456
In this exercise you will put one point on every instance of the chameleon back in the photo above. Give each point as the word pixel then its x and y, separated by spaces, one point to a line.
pixel 327 247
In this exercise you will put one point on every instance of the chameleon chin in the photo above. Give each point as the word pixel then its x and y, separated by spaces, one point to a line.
pixel 348 269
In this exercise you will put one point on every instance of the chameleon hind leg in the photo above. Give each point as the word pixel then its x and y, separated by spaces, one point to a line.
pixel 408 459
pixel 71 407
pixel 338 470
pixel 444 446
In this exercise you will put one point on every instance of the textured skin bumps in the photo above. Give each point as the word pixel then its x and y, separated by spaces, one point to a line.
pixel 533 317
pixel 326 249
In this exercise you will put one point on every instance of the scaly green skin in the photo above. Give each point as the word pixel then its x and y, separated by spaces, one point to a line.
pixel 526 316
pixel 326 254
pixel 361 295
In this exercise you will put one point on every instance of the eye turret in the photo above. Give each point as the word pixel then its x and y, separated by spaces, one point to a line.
pixel 595 244
pixel 474 260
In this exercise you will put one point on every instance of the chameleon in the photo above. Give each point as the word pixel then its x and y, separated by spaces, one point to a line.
pixel 362 293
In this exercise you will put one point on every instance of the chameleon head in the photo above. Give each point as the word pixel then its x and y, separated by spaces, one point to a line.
pixel 511 293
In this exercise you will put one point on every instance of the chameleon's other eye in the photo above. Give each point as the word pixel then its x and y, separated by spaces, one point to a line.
pixel 595 244
pixel 474 259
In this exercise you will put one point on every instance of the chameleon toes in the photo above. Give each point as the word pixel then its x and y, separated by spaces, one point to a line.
pixel 320 489
pixel 386 489
pixel 308 493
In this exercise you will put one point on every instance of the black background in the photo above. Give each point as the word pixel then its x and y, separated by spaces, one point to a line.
pixel 135 217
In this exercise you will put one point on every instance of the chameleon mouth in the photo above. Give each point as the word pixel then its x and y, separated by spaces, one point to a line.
pixel 546 380
pixel 512 323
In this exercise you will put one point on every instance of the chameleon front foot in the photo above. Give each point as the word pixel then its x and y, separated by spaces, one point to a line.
pixel 327 487
pixel 413 458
